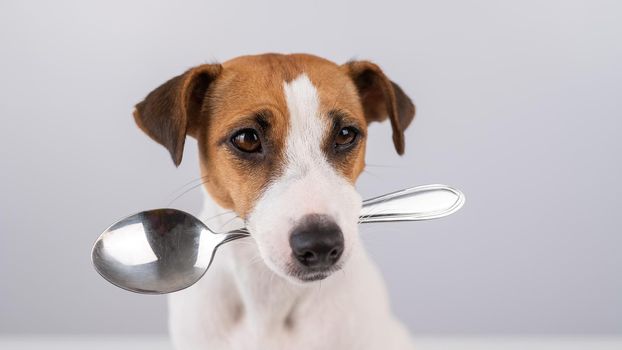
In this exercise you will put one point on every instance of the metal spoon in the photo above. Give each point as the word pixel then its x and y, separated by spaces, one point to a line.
pixel 162 251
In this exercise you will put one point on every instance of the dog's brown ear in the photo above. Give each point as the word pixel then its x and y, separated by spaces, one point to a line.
pixel 381 98
pixel 170 111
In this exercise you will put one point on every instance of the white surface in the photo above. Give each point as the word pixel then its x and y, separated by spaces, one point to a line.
pixel 422 343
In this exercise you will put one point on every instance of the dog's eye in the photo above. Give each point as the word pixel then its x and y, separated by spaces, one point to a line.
pixel 346 136
pixel 247 140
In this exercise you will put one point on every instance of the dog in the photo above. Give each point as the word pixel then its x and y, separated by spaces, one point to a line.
pixel 281 143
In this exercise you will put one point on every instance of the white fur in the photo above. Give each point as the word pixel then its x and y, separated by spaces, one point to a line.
pixel 309 185
pixel 248 301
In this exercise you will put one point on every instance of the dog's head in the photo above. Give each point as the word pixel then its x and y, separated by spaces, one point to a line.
pixel 281 141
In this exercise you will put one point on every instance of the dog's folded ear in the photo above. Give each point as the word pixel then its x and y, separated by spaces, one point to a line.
pixel 171 111
pixel 381 97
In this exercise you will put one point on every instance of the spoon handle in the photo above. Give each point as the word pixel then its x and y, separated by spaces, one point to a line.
pixel 413 204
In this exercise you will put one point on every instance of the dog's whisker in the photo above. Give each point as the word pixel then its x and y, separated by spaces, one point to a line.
pixel 244 242
pixel 383 166
pixel 254 261
pixel 367 172
pixel 187 184
pixel 186 192
pixel 219 215
pixel 372 212
pixel 228 222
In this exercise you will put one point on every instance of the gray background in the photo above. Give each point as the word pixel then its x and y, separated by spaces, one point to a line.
pixel 519 105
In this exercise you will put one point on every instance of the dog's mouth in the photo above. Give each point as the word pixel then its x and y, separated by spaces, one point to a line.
pixel 311 275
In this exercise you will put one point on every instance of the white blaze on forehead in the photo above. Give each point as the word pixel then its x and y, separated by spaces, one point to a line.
pixel 306 127
pixel 309 179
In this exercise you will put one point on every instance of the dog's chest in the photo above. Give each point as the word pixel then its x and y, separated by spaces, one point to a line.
pixel 304 333
pixel 274 314
pixel 265 314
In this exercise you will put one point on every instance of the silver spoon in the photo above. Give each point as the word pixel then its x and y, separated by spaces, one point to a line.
pixel 162 251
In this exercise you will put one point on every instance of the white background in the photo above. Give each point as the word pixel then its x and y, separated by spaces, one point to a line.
pixel 519 105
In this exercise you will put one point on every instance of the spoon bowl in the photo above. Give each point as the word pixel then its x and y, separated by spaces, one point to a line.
pixel 157 251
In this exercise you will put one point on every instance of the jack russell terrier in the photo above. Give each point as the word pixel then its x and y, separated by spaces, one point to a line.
pixel 282 141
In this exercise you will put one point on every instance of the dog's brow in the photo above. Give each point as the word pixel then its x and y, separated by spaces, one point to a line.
pixel 340 117
pixel 261 117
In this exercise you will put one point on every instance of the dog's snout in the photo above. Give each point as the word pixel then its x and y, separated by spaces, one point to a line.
pixel 317 241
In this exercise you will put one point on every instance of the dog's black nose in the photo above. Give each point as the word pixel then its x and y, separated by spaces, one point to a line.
pixel 317 241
